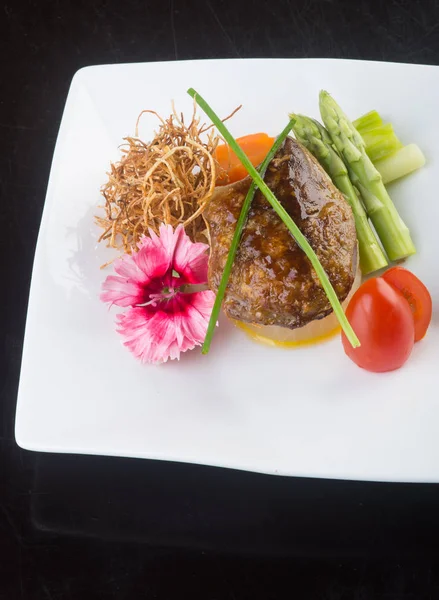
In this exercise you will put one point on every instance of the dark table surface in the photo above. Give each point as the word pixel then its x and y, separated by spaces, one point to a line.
pixel 95 527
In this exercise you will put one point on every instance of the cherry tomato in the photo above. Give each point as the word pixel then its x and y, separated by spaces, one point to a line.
pixel 383 321
pixel 417 295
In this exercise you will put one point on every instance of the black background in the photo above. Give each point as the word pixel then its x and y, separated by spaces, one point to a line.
pixel 83 527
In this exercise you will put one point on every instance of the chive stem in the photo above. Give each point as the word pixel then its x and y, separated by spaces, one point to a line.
pixel 279 209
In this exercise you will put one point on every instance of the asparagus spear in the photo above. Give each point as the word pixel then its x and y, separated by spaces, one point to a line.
pixel 318 141
pixel 392 231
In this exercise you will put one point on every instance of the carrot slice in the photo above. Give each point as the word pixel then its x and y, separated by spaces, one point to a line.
pixel 255 145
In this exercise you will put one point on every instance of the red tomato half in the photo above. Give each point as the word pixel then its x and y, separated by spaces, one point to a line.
pixel 417 295
pixel 383 321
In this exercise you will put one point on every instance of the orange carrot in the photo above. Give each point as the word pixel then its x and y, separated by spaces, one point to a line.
pixel 256 146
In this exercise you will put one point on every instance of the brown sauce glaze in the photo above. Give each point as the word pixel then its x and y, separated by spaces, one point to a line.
pixel 272 281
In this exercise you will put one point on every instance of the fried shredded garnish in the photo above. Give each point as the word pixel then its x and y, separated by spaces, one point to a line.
pixel 168 180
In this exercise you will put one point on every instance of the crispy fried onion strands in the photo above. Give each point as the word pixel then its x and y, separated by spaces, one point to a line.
pixel 169 180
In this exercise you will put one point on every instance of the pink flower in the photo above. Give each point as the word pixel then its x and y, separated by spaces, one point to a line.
pixel 165 318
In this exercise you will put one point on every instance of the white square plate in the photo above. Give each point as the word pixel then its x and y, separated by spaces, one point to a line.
pixel 308 412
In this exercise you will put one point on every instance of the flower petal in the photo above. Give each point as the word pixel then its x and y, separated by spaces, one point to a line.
pixel 127 268
pixel 197 309
pixel 122 292
pixel 169 237
pixel 203 302
pixel 151 337
pixel 153 259
pixel 155 335
pixel 191 260
pixel 127 287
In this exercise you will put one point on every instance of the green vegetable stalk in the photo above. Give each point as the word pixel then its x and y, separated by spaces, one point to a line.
pixel 318 141
pixel 288 221
pixel 400 163
pixel 371 120
pixel 385 150
pixel 392 231
pixel 380 142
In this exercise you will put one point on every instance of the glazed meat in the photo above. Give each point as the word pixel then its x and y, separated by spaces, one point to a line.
pixel 272 281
